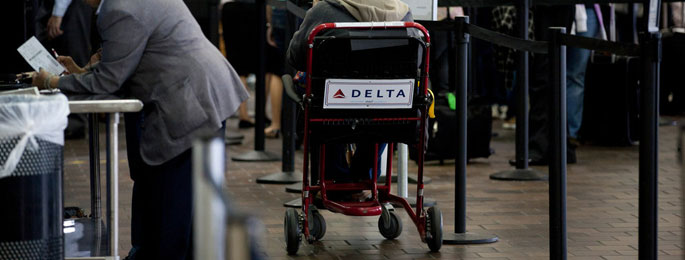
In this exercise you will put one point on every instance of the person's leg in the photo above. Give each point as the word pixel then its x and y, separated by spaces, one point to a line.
pixel 140 226
pixel 243 115
pixel 575 77
pixel 545 17
pixel 336 162
pixel 361 166
pixel 175 197
pixel 174 216
pixel 276 95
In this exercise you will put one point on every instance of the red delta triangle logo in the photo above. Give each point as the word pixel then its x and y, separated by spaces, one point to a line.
pixel 339 94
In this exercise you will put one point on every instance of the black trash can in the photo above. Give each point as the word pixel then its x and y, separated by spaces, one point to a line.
pixel 31 164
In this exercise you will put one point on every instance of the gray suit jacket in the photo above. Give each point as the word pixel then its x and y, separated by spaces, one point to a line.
pixel 155 50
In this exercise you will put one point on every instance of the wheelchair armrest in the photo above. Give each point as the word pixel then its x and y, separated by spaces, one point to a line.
pixel 289 88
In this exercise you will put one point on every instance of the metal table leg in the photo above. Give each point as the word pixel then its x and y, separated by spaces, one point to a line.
pixel 113 184
pixel 94 156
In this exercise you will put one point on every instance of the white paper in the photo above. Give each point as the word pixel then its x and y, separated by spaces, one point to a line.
pixel 38 57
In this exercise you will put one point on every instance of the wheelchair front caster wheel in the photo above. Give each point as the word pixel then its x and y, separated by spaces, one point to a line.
pixel 390 226
pixel 434 229
pixel 317 225
pixel 292 231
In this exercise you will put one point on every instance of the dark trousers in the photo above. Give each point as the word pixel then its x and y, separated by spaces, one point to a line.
pixel 337 168
pixel 540 103
pixel 161 221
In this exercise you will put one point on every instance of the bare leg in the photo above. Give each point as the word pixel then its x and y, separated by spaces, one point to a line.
pixel 276 95
pixel 242 111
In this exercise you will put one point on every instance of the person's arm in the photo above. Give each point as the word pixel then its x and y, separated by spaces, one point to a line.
pixel 124 39
pixel 60 7
pixel 55 21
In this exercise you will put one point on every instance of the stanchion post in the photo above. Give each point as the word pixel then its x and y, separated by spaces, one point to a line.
pixel 260 83
pixel 649 168
pixel 522 172
pixel 522 92
pixel 557 164
pixel 462 40
pixel 287 175
pixel 460 236
pixel 259 154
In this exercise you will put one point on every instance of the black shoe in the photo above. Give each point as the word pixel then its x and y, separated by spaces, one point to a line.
pixel 245 124
pixel 538 162
pixel 249 124
pixel 531 162
pixel 571 156
pixel 512 162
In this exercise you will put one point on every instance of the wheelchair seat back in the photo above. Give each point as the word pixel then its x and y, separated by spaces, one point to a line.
pixel 366 85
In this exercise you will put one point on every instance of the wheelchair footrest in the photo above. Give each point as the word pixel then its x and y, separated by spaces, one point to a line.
pixel 366 208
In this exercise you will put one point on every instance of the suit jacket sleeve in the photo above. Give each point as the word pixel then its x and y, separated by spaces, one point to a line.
pixel 124 39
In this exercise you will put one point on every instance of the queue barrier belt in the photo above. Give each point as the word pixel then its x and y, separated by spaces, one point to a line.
pixel 619 48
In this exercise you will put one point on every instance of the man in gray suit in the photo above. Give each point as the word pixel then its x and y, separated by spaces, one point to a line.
pixel 155 51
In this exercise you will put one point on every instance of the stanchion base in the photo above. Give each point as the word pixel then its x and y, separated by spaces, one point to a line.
pixel 427 202
pixel 294 188
pixel 256 156
pixel 413 179
pixel 519 175
pixel 467 238
pixel 296 203
pixel 281 178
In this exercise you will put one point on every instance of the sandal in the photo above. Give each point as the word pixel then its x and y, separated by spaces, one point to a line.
pixel 273 133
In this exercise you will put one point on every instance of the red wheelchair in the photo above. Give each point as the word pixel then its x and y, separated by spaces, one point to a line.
pixel 365 83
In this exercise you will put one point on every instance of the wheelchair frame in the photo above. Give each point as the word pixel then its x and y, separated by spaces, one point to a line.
pixel 381 197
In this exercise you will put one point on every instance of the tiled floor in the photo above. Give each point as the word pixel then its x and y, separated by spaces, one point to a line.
pixel 602 206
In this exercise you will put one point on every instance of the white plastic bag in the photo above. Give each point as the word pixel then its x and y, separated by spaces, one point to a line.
pixel 30 117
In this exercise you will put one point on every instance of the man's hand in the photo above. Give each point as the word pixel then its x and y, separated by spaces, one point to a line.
pixel 70 65
pixel 40 78
pixel 54 24
pixel 95 58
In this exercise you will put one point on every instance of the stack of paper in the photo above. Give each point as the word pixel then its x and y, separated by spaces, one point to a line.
pixel 38 57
